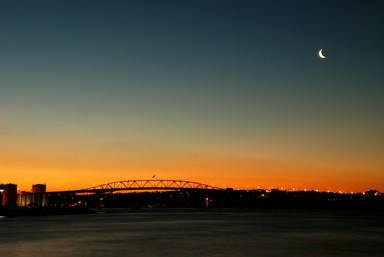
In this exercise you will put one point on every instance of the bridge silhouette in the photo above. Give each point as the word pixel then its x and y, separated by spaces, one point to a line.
pixel 136 185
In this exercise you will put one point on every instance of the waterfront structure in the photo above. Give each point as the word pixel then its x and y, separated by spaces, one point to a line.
pixel 36 198
pixel 39 188
pixel 8 195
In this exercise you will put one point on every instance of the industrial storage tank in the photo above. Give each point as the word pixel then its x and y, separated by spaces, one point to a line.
pixel 9 195
pixel 39 193
pixel 39 189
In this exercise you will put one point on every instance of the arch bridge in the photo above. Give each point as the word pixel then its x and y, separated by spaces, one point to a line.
pixel 134 185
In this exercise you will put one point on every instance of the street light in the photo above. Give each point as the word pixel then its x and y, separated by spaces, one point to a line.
pixel 1 197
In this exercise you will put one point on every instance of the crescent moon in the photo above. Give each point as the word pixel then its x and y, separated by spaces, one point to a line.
pixel 321 55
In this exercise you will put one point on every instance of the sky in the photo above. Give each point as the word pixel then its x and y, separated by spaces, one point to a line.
pixel 229 93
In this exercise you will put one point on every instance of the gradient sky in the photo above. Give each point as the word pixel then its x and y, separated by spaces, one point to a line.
pixel 220 92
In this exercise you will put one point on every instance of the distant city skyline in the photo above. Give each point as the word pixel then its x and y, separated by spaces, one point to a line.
pixel 219 92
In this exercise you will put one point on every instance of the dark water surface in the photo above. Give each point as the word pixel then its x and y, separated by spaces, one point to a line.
pixel 196 233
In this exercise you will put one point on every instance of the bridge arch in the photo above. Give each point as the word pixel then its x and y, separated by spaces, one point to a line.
pixel 153 184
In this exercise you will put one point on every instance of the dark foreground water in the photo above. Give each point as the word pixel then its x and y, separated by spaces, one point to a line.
pixel 196 233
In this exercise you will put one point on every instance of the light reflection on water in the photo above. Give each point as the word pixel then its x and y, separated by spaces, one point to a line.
pixel 195 233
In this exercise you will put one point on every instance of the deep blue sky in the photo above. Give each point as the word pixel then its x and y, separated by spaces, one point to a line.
pixel 193 78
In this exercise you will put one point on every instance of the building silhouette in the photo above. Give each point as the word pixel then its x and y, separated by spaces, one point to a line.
pixel 8 195
pixel 36 198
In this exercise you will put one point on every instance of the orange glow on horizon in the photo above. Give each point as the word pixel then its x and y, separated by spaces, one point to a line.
pixel 221 171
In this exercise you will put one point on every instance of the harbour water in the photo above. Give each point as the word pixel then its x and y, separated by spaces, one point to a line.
pixel 187 233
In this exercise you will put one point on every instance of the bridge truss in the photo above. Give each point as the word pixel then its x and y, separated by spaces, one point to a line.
pixel 143 185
